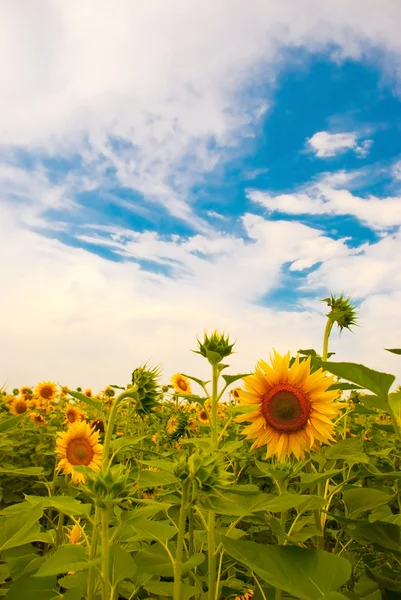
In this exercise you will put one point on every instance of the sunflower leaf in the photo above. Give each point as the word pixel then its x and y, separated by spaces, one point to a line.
pixel 9 423
pixel 306 574
pixel 229 379
pixel 91 401
pixel 377 382
pixel 394 350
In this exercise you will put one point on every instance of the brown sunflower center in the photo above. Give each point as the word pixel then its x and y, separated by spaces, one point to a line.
pixel 46 392
pixel 79 452
pixel 71 416
pixel 286 408
pixel 182 385
pixel 20 407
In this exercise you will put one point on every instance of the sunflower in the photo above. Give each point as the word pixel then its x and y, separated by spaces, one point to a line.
pixel 74 534
pixel 172 424
pixel 235 393
pixel 294 408
pixel 181 384
pixel 203 416
pixel 78 446
pixel 26 390
pixel 18 406
pixel 37 419
pixel 88 393
pixel 247 596
pixel 45 391
pixel 72 414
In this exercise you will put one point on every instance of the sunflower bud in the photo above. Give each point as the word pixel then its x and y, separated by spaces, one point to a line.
pixel 215 347
pixel 15 391
pixel 148 389
pixel 109 487
pixel 204 470
pixel 342 311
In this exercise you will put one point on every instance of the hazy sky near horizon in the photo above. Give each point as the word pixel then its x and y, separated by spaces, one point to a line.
pixel 173 166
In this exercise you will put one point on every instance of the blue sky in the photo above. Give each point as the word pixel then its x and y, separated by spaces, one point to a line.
pixel 226 177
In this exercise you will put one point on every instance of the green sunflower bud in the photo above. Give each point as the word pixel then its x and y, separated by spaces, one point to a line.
pixel 342 311
pixel 215 347
pixel 148 389
pixel 205 471
pixel 109 487
pixel 15 391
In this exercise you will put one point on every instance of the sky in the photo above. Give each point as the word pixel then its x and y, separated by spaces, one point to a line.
pixel 168 167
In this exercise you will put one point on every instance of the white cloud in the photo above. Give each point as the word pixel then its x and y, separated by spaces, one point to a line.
pixel 326 144
pixel 328 196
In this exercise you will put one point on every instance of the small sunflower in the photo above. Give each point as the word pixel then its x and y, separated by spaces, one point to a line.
pixel 19 406
pixel 78 445
pixel 98 425
pixel 109 391
pixel 203 416
pixel 88 393
pixel 172 425
pixel 38 419
pixel 74 535
pixel 45 391
pixel 247 596
pixel 72 414
pixel 294 408
pixel 235 394
pixel 181 384
pixel 26 391
pixel 8 399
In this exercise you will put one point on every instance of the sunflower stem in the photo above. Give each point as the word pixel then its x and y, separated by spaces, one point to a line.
pixel 180 543
pixel 92 555
pixel 105 553
pixel 110 426
pixel 326 336
pixel 211 533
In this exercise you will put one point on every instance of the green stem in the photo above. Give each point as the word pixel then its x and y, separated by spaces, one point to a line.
pixel 105 553
pixel 395 421
pixel 180 543
pixel 92 555
pixel 215 380
pixel 327 332
pixel 110 425
pixel 212 562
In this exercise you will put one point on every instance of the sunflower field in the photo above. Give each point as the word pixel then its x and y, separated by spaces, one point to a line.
pixel 277 484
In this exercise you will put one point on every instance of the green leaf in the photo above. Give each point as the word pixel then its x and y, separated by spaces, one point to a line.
pixel 232 445
pixel 155 561
pixel 10 423
pixel 71 557
pixel 28 587
pixel 157 530
pixel 150 479
pixel 229 379
pixel 349 450
pixel 309 479
pixel 122 565
pixel 166 589
pixel 344 386
pixel 359 500
pixel 165 465
pixel 375 381
pixel 120 443
pixel 191 563
pixel 394 350
pixel 64 504
pixel 269 470
pixel 284 502
pixel 384 536
pixel 17 530
pixel 91 401
pixel 374 402
pixel 307 574
pixel 21 472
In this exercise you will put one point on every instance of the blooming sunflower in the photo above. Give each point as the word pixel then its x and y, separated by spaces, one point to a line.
pixel 78 446
pixel 72 414
pixel 18 406
pixel 294 407
pixel 203 416
pixel 181 384
pixel 25 391
pixel 172 424
pixel 37 419
pixel 247 596
pixel 88 393
pixel 45 391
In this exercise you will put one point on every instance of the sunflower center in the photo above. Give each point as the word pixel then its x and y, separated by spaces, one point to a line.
pixel 21 407
pixel 79 452
pixel 286 408
pixel 182 385
pixel 46 393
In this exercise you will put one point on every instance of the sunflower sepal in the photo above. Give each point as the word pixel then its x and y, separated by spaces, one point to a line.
pixel 215 347
pixel 108 487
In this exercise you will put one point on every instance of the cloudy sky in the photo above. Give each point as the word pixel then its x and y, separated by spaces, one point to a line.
pixel 175 165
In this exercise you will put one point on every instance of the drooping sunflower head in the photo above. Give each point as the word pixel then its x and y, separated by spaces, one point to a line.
pixel 148 389
pixel 19 406
pixel 176 425
pixel 294 408
pixel 181 384
pixel 45 392
pixel 78 445
pixel 72 414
